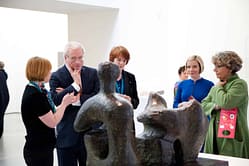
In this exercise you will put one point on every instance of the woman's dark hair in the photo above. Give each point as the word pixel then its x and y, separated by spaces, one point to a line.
pixel 181 70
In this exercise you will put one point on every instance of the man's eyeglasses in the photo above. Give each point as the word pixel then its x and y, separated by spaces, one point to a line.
pixel 80 58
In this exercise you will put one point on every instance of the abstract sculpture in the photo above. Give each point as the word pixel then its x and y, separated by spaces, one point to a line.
pixel 174 135
pixel 114 143
pixel 170 136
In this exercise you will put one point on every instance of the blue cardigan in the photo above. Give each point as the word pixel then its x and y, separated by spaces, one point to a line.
pixel 199 90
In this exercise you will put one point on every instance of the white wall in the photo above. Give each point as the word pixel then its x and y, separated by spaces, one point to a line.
pixel 24 34
pixel 162 34
pixel 95 30
pixel 159 34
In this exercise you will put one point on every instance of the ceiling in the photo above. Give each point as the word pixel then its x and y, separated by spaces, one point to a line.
pixel 55 6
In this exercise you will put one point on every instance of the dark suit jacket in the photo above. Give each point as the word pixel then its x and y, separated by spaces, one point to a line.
pixel 130 87
pixel 66 136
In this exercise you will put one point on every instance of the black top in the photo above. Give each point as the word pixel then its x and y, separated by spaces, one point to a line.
pixel 35 104
pixel 130 87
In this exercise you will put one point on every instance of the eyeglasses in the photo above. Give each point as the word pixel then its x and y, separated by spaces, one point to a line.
pixel 80 58
pixel 219 66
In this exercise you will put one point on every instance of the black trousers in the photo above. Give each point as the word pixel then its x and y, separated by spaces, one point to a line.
pixel 72 156
pixel 42 156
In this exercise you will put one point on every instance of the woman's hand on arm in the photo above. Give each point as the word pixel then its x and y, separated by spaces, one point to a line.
pixel 52 119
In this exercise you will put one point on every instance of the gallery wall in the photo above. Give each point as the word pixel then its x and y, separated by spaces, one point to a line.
pixel 160 35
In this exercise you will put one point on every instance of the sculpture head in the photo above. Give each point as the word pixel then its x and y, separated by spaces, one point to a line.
pixel 108 71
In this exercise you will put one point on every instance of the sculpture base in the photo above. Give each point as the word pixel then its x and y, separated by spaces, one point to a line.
pixel 207 162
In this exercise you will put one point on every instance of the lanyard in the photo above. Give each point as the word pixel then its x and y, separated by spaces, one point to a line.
pixel 120 86
pixel 44 90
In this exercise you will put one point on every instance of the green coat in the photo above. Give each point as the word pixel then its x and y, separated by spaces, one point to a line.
pixel 233 94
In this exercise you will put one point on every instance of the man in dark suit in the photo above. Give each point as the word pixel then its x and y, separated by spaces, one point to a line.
pixel 83 80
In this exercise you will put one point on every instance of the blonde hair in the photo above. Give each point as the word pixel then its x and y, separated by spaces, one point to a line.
pixel 37 68
pixel 198 59
pixel 229 59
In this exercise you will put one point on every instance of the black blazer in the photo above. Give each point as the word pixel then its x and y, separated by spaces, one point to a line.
pixel 66 136
pixel 130 87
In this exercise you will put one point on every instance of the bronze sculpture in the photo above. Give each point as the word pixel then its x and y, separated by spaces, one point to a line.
pixel 114 143
pixel 170 136
pixel 175 134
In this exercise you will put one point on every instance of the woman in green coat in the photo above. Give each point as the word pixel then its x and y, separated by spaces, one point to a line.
pixel 229 93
